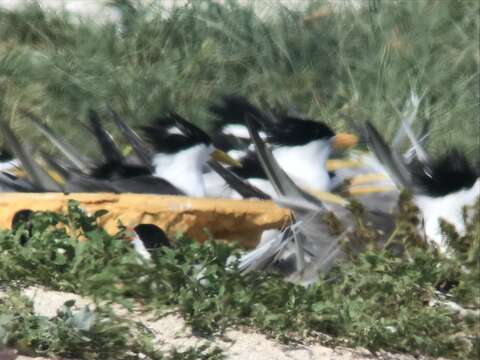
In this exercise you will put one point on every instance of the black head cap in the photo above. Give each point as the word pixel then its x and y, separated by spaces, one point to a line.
pixel 227 142
pixel 251 167
pixel 293 131
pixel 173 133
pixel 23 217
pixel 115 171
pixel 450 173
pixel 233 109
pixel 5 155
pixel 281 128
pixel 152 236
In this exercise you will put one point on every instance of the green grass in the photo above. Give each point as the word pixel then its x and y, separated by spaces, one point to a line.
pixel 359 63
pixel 376 300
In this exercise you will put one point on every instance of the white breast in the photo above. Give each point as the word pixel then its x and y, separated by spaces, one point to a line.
pixel 8 165
pixel 140 248
pixel 215 186
pixel 263 185
pixel 306 164
pixel 448 208
pixel 184 169
pixel 240 131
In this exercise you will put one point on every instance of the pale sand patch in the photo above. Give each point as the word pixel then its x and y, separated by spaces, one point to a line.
pixel 172 332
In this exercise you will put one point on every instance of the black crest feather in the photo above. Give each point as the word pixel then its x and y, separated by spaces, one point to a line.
pixel 152 236
pixel 5 155
pixel 449 173
pixel 251 167
pixel 281 128
pixel 160 136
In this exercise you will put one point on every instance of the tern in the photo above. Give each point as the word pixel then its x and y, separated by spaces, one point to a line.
pixel 300 146
pixel 441 186
pixel 308 245
pixel 158 173
pixel 146 238
pixel 181 152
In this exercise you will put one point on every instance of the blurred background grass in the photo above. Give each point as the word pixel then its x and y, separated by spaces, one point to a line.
pixel 362 62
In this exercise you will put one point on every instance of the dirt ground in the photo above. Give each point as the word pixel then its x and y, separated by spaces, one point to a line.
pixel 172 332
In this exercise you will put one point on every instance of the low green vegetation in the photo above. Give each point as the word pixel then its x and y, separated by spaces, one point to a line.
pixel 81 334
pixel 376 300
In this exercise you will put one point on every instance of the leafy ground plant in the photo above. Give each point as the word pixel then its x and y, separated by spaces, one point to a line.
pixel 377 300
pixel 80 334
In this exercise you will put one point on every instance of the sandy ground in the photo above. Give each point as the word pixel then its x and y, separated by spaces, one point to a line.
pixel 172 332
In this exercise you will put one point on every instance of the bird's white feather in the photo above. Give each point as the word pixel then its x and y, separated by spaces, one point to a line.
pixel 184 168
pixel 447 207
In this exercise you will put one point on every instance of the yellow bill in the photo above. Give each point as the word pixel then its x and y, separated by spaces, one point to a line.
pixel 368 178
pixel 335 164
pixel 366 190
pixel 328 197
pixel 127 150
pixel 56 177
pixel 20 173
pixel 344 141
pixel 224 158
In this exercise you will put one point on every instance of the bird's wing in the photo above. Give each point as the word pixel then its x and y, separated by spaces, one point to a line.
pixel 408 115
pixel 145 184
pixel 83 183
pixel 238 184
pixel 309 232
pixel 138 145
pixel 282 183
pixel 391 160
pixel 110 150
pixel 76 159
pixel 38 176
pixel 9 183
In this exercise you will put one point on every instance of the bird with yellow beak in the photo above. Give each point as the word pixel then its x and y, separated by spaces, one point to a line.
pixel 181 152
pixel 301 146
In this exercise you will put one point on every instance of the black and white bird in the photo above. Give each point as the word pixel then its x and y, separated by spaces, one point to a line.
pixel 441 186
pixel 174 168
pixel 308 245
pixel 300 146
pixel 36 178
pixel 147 238
pixel 22 218
pixel 229 130
pixel 122 174
pixel 9 165
pixel 181 153
pixel 7 161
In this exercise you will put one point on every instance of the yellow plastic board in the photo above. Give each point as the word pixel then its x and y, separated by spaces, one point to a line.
pixel 241 220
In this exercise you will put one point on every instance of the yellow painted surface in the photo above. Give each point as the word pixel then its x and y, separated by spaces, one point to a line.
pixel 241 220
